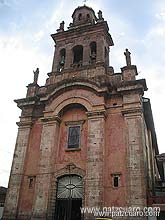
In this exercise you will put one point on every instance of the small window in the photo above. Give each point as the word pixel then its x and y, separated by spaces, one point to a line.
pixel 88 17
pixel 116 181
pixel 80 17
pixel 74 137
pixel 31 180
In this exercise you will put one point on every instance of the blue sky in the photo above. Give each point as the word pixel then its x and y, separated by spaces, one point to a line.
pixel 25 44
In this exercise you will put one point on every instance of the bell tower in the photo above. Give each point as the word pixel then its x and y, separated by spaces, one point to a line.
pixel 84 44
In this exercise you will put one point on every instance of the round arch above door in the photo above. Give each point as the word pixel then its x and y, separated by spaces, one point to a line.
pixel 70 186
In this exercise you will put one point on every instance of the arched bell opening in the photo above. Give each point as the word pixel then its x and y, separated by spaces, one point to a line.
pixel 77 56
pixel 62 56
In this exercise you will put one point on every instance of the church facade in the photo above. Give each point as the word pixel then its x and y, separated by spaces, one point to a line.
pixel 86 138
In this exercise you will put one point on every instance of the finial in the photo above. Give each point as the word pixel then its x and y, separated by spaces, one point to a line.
pixel 61 28
pixel 128 57
pixel 36 73
pixel 100 16
pixel 62 25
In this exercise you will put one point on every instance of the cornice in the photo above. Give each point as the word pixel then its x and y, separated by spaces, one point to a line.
pixel 26 101
pixel 25 124
pixel 71 32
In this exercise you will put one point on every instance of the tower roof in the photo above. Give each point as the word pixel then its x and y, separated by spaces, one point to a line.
pixel 83 15
pixel 79 8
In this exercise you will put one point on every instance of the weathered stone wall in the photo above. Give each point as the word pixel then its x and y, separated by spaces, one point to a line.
pixel 30 171
pixel 95 153
pixel 49 139
pixel 17 172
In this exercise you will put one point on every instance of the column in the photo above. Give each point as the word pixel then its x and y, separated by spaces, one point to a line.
pixel 95 154
pixel 49 141
pixel 12 197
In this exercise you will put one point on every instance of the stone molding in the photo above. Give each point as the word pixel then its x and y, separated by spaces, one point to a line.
pixel 50 120
pixel 132 111
pixel 70 168
pixel 25 124
pixel 97 114
pixel 80 122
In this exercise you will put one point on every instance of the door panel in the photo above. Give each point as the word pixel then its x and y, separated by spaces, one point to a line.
pixel 69 198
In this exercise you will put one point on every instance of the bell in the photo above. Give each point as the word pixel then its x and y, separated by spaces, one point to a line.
pixel 62 60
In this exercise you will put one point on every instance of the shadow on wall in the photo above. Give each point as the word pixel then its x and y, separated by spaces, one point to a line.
pixel 3 191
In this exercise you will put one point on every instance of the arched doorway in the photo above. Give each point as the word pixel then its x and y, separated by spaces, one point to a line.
pixel 69 198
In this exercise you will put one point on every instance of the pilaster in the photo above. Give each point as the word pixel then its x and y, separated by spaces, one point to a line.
pixel 95 154
pixel 49 140
pixel 100 49
pixel 69 57
pixel 12 197
pixel 136 175
pixel 86 54
pixel 55 59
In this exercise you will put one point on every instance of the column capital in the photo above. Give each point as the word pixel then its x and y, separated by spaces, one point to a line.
pixel 132 111
pixel 97 114
pixel 24 124
pixel 51 119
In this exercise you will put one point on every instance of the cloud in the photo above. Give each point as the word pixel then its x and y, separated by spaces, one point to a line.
pixel 147 48
pixel 8 3
pixel 151 64
pixel 159 31
pixel 39 35
pixel 4 3
pixel 18 60
pixel 161 16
